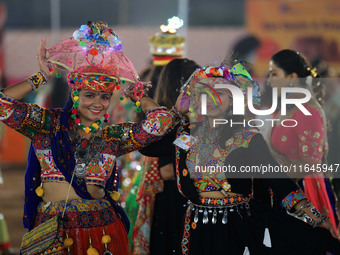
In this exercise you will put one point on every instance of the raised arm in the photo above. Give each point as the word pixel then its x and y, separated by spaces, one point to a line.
pixel 158 122
pixel 19 90
pixel 28 119
pixel 135 136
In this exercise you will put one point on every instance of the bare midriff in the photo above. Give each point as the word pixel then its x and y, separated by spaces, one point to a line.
pixel 56 191
pixel 217 194
pixel 167 172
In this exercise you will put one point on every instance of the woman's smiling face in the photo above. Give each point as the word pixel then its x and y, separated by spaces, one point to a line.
pixel 92 105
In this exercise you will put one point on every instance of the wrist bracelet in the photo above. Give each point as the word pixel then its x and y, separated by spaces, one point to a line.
pixel 179 118
pixel 37 79
pixel 317 223
pixel 135 103
pixel 315 211
pixel 300 212
pixel 175 114
pixel 302 215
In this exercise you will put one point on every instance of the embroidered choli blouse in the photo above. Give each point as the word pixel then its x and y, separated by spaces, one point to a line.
pixel 245 148
pixel 36 123
pixel 306 141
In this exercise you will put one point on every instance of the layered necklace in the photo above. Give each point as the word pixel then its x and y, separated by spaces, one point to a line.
pixel 86 151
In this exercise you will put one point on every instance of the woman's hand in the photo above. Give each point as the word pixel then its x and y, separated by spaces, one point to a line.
pixel 315 216
pixel 327 225
pixel 41 55
pixel 138 90
pixel 21 89
pixel 183 103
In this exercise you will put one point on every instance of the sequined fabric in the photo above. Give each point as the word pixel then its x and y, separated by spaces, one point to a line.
pixel 200 177
pixel 36 123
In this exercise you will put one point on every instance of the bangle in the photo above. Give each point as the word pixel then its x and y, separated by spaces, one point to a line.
pixel 307 204
pixel 315 211
pixel 175 114
pixel 302 215
pixel 300 212
pixel 317 223
pixel 37 79
pixel 138 104
pixel 179 118
pixel 138 91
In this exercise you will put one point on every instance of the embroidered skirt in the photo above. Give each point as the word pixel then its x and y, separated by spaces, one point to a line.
pixel 249 227
pixel 86 222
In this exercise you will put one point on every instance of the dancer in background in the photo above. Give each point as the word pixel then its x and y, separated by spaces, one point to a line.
pixel 307 142
pixel 165 46
pixel 223 215
pixel 159 222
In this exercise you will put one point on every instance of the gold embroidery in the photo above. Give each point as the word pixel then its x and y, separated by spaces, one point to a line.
pixel 320 149
pixel 283 138
pixel 306 132
pixel 304 148
pixel 56 124
pixel 316 135
pixel 302 138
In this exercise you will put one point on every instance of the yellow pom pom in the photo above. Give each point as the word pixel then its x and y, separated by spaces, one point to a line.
pixel 86 82
pixel 87 130
pixel 92 251
pixel 68 242
pixel 76 98
pixel 39 191
pixel 137 103
pixel 115 195
pixel 106 239
pixel 95 125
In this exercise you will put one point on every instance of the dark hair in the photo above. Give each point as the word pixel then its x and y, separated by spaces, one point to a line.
pixel 171 79
pixel 291 61
pixel 152 74
pixel 60 92
pixel 267 93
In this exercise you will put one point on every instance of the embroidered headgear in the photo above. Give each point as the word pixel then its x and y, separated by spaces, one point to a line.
pixel 167 45
pixel 94 59
pixel 208 76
